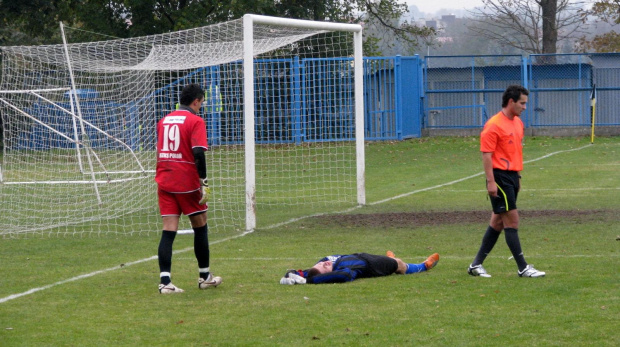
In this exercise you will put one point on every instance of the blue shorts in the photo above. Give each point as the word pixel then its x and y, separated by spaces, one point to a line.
pixel 507 191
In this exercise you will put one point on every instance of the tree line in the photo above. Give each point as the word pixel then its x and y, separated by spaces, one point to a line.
pixel 35 22
pixel 530 26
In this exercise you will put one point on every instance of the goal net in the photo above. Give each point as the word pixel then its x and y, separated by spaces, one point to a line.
pixel 283 109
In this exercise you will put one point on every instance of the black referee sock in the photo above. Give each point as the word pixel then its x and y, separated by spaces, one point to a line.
pixel 201 246
pixel 488 242
pixel 164 254
pixel 512 239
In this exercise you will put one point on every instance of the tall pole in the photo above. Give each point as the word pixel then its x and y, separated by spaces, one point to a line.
pixel 72 94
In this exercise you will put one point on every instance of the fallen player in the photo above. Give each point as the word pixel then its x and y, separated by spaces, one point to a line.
pixel 346 268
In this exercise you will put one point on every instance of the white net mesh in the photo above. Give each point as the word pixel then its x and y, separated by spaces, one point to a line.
pixel 81 160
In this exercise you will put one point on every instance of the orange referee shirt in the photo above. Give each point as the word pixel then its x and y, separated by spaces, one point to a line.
pixel 504 138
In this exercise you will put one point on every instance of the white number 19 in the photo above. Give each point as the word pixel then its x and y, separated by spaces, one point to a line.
pixel 172 138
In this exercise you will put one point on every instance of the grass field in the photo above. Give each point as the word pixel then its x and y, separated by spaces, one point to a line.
pixel 101 290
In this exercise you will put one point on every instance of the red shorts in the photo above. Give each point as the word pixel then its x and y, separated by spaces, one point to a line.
pixel 173 204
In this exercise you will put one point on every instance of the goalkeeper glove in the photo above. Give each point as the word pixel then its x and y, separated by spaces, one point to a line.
pixel 205 191
pixel 286 280
pixel 291 277
pixel 298 279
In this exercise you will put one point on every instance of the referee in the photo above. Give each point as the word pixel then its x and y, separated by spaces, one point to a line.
pixel 501 144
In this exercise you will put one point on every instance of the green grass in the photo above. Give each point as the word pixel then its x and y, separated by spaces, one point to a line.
pixel 576 304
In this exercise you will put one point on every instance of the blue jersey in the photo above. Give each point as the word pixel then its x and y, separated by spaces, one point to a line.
pixel 346 268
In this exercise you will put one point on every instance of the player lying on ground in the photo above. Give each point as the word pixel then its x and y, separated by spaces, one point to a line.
pixel 346 268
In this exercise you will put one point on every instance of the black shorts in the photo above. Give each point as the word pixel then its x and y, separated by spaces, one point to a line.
pixel 378 265
pixel 507 191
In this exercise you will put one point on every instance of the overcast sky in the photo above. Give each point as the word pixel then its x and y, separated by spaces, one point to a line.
pixel 432 6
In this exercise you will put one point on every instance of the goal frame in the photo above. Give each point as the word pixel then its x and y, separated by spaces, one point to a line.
pixel 248 89
pixel 67 119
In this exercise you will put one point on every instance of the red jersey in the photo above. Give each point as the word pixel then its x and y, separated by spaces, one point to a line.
pixel 177 134
pixel 504 138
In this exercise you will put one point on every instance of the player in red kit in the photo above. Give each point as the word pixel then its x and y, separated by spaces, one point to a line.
pixel 182 185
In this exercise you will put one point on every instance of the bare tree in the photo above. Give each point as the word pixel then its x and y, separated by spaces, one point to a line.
pixel 606 12
pixel 533 26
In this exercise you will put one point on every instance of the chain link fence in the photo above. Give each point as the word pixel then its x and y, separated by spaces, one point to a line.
pixel 462 92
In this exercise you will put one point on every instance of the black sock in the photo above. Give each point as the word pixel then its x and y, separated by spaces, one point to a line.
pixel 512 239
pixel 201 249
pixel 164 254
pixel 488 242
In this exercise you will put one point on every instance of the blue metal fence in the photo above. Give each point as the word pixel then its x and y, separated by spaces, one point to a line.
pixel 311 100
pixel 464 91
pixel 296 100
pixel 392 97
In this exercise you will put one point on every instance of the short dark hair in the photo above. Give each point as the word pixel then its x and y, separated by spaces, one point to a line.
pixel 311 273
pixel 190 93
pixel 513 92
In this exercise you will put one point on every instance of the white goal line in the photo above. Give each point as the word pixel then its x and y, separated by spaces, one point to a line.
pixel 540 189
pixel 91 274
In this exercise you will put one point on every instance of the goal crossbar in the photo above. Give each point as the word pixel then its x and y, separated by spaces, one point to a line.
pixel 302 23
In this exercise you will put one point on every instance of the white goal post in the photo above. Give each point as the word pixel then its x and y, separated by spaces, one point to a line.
pixel 283 106
pixel 248 53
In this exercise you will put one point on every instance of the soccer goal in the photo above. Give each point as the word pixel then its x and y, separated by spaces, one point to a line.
pixel 284 114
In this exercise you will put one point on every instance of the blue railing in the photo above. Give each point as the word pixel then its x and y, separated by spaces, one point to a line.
pixel 464 91
pixel 311 100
